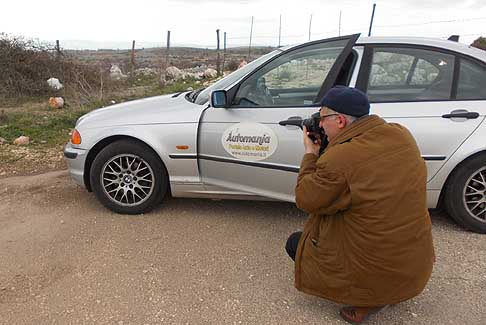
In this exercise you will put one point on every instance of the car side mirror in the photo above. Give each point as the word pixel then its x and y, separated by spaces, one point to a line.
pixel 219 99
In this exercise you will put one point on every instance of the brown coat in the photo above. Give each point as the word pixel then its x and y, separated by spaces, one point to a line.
pixel 368 240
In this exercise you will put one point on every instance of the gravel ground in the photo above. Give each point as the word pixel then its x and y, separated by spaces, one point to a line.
pixel 66 259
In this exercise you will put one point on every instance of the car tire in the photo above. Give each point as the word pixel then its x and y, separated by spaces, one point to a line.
pixel 127 177
pixel 465 195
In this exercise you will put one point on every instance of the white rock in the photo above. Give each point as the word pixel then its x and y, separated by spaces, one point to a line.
pixel 173 73
pixel 116 73
pixel 145 72
pixel 242 64
pixel 2 141
pixel 21 141
pixel 54 83
pixel 210 73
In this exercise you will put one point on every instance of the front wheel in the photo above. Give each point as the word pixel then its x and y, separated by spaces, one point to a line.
pixel 129 178
pixel 465 196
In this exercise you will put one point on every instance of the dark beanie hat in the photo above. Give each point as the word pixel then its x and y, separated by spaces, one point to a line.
pixel 347 100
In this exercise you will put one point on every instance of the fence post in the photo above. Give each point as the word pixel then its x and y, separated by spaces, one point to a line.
pixel 251 34
pixel 218 63
pixel 132 59
pixel 101 82
pixel 58 48
pixel 224 51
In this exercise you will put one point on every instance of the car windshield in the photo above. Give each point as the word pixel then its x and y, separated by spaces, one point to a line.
pixel 201 96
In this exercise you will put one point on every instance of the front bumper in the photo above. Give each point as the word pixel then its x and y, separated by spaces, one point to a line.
pixel 75 159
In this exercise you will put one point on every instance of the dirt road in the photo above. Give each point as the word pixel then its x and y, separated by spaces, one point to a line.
pixel 66 259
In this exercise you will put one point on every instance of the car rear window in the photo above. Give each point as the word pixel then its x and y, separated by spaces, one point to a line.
pixel 472 81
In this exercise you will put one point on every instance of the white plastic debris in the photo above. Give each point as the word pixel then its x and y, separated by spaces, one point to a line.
pixel 54 83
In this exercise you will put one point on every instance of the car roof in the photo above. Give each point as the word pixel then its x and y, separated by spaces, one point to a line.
pixel 421 41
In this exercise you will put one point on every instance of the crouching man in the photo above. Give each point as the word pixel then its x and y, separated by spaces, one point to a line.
pixel 368 242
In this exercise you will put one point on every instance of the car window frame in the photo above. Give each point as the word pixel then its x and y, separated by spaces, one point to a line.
pixel 330 78
pixel 367 60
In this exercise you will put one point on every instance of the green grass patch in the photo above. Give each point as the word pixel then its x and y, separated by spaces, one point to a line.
pixel 50 127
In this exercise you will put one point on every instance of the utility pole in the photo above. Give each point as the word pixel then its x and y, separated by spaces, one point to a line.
pixel 310 24
pixel 280 31
pixel 372 16
pixel 251 34
pixel 218 63
pixel 339 33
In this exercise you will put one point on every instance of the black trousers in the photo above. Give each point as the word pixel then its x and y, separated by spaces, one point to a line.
pixel 292 242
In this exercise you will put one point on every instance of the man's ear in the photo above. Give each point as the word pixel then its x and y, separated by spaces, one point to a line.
pixel 343 122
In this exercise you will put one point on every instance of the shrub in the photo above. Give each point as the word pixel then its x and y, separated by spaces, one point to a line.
pixel 27 64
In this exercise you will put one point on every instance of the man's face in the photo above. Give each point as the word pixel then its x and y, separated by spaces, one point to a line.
pixel 332 123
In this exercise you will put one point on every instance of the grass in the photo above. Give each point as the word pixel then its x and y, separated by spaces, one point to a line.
pixel 48 127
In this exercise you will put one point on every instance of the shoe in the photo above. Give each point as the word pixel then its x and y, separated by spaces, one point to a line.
pixel 357 315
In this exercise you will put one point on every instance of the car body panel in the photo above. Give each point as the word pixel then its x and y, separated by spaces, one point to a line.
pixel 164 122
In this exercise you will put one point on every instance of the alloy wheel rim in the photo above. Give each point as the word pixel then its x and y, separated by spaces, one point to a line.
pixel 127 180
pixel 474 195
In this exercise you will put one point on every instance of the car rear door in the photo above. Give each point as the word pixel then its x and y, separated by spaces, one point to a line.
pixel 417 86
pixel 243 147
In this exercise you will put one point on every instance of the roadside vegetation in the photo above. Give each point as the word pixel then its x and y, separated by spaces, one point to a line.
pixel 26 66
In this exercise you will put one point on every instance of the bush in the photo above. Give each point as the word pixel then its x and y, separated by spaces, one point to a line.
pixel 27 64
pixel 232 65
pixel 480 43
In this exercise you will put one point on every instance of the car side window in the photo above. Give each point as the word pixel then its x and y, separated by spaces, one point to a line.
pixel 472 78
pixel 408 74
pixel 293 79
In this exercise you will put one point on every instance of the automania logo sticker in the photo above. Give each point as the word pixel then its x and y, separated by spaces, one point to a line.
pixel 249 141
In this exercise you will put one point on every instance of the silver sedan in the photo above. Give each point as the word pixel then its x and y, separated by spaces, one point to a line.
pixel 241 138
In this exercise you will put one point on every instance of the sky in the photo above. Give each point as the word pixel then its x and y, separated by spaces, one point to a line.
pixel 115 23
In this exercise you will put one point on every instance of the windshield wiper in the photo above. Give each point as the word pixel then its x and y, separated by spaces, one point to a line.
pixel 193 94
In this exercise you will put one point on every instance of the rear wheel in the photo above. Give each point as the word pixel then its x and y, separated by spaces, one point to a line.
pixel 129 178
pixel 465 196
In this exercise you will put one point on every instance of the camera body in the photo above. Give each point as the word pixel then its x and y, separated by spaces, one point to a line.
pixel 316 132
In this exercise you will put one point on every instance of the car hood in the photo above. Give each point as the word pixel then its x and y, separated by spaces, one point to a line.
pixel 153 110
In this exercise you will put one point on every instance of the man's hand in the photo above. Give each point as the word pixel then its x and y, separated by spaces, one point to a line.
pixel 309 146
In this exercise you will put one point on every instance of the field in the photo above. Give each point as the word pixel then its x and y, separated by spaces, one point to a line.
pixel 49 129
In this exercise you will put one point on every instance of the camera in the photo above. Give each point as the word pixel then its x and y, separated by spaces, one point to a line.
pixel 312 126
pixel 316 132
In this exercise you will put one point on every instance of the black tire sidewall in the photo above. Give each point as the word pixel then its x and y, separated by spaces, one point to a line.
pixel 454 194
pixel 134 148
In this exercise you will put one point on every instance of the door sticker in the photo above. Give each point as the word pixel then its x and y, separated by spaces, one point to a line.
pixel 250 141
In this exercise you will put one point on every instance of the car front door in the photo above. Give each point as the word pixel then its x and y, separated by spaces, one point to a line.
pixel 243 147
pixel 417 87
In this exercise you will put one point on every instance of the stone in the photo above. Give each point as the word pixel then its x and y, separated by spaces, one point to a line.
pixel 242 64
pixel 145 72
pixel 210 73
pixel 116 73
pixel 173 73
pixel 2 141
pixel 22 141
pixel 56 102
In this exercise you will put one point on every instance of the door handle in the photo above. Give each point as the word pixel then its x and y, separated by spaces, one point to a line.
pixel 461 113
pixel 293 120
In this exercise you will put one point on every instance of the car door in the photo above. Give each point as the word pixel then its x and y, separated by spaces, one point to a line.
pixel 416 86
pixel 243 147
